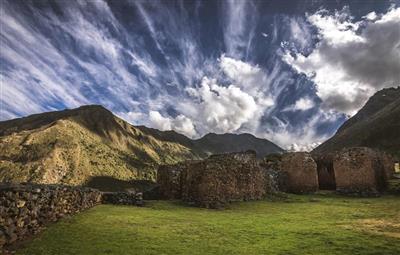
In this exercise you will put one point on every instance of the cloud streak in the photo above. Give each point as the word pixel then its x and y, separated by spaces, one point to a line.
pixel 195 66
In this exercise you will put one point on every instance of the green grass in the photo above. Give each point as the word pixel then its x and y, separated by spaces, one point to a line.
pixel 315 224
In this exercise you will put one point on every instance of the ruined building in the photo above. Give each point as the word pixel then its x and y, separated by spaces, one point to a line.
pixel 223 178
pixel 215 181
pixel 354 170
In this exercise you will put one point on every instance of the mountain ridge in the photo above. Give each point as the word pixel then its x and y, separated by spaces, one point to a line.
pixel 73 145
pixel 375 125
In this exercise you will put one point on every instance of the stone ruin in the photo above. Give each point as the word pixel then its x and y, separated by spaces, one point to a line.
pixel 362 170
pixel 301 171
pixel 215 181
pixel 357 170
pixel 26 208
pixel 170 181
pixel 210 183
pixel 122 198
pixel 223 178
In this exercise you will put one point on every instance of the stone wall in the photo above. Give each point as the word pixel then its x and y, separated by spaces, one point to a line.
pixel 169 179
pixel 223 178
pixel 301 172
pixel 123 198
pixel 215 181
pixel 275 179
pixel 24 209
pixel 362 170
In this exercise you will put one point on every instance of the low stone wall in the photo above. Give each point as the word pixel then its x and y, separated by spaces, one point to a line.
pixel 123 198
pixel 25 209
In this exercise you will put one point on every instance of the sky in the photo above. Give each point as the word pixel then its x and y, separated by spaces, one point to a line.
pixel 288 71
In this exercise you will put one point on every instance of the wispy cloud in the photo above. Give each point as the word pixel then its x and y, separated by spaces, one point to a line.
pixel 240 21
pixel 194 66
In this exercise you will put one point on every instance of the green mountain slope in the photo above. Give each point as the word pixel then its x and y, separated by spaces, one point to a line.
pixel 72 146
pixel 376 125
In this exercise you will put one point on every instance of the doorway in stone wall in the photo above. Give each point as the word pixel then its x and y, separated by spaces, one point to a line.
pixel 326 174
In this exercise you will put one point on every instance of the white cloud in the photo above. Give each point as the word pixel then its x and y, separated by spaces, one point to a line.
pixel 181 123
pixel 158 121
pixel 241 72
pixel 304 147
pixel 300 33
pixel 135 118
pixel 249 78
pixel 371 16
pixel 303 104
pixel 222 109
pixel 352 59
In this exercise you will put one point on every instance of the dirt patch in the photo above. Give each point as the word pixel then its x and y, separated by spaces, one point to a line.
pixel 386 227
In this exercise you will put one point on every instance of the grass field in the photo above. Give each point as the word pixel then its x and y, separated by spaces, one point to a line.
pixel 316 224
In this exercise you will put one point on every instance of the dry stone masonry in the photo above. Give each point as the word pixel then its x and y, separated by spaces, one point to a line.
pixel 301 171
pixel 24 209
pixel 362 170
pixel 170 181
pixel 123 198
pixel 215 181
pixel 210 183
pixel 223 178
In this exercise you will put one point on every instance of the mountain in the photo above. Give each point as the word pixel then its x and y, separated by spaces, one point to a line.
pixel 376 125
pixel 222 143
pixel 217 143
pixel 74 146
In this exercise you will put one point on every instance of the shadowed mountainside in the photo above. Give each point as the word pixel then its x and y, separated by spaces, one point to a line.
pixel 376 125
pixel 73 146
pixel 217 143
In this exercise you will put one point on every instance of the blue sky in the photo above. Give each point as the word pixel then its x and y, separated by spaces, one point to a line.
pixel 288 71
